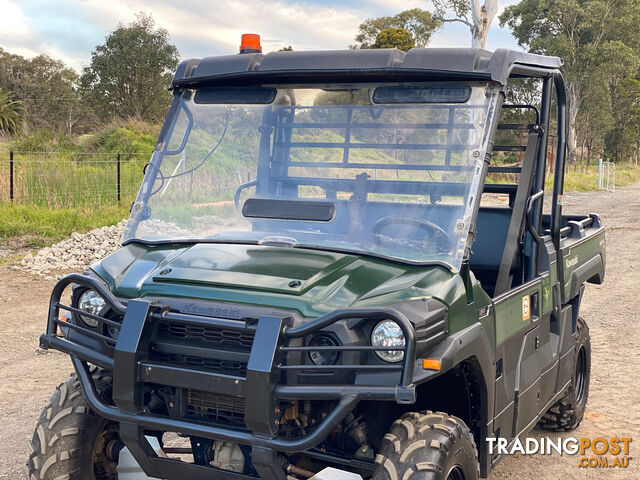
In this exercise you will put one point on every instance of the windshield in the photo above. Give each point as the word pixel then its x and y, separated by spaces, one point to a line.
pixel 390 170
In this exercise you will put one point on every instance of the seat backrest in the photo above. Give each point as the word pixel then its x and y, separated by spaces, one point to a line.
pixel 491 232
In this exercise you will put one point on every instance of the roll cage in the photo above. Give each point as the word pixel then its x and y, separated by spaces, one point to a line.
pixel 389 65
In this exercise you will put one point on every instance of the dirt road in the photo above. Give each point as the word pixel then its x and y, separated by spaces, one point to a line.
pixel 28 376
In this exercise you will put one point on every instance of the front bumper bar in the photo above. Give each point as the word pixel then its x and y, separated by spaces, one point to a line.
pixel 260 386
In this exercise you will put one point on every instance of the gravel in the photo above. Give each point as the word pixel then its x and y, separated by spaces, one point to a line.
pixel 76 253
pixel 81 250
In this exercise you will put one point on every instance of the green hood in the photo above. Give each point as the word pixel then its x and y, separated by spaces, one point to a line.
pixel 309 281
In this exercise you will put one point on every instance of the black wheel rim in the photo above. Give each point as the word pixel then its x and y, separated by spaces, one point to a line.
pixel 456 473
pixel 581 374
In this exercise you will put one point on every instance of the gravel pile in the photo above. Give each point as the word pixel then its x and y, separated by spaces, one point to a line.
pixel 81 250
pixel 75 253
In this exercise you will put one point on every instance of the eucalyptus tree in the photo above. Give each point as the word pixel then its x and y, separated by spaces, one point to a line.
pixel 597 39
pixel 129 73
pixel 418 24
pixel 471 13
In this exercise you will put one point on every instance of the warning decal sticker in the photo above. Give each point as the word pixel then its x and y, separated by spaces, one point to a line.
pixel 526 310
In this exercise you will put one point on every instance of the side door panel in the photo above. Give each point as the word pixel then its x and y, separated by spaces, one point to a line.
pixel 527 368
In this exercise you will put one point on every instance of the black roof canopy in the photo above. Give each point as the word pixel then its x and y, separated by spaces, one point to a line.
pixel 360 65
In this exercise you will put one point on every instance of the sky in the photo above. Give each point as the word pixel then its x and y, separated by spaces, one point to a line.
pixel 69 30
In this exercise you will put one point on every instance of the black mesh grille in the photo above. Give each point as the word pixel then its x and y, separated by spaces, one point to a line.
pixel 218 337
pixel 215 408
pixel 214 365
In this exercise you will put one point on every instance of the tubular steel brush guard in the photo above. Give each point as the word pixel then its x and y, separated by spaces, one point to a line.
pixel 261 405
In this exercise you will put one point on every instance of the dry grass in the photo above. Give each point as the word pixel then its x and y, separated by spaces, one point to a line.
pixel 579 180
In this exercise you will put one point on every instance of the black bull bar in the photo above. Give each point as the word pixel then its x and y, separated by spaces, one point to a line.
pixel 260 387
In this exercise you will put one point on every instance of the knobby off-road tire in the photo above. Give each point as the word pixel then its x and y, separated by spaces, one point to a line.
pixel 427 446
pixel 568 412
pixel 70 441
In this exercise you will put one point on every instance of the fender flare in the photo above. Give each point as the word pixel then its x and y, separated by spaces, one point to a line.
pixel 469 344
pixel 591 271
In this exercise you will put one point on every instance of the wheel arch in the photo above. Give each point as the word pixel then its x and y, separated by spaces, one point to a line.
pixel 467 376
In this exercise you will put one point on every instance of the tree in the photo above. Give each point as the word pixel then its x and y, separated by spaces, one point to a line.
pixel 286 49
pixel 47 88
pixel 624 138
pixel 595 38
pixel 11 113
pixel 419 24
pixel 394 38
pixel 594 118
pixel 129 73
pixel 469 12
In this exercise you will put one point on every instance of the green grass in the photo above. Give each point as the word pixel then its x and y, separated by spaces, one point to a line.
pixel 75 190
pixel 60 182
pixel 579 180
pixel 32 226
pixel 58 171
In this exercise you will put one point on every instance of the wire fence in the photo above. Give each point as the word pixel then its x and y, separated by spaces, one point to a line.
pixel 63 179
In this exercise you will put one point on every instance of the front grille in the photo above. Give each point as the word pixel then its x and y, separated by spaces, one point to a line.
pixel 216 408
pixel 232 339
pixel 172 339
pixel 213 365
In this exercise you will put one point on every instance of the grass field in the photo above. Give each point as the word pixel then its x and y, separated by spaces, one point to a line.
pixel 32 226
pixel 61 179
pixel 577 180
pixel 58 196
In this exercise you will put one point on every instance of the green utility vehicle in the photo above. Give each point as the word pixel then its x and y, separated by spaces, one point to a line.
pixel 334 261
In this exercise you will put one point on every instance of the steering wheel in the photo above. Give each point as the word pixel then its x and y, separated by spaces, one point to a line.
pixel 437 241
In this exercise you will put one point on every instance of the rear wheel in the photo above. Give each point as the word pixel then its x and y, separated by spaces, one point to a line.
pixel 568 412
pixel 72 442
pixel 427 446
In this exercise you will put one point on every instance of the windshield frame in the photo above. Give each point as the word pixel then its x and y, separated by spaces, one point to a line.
pixel 140 206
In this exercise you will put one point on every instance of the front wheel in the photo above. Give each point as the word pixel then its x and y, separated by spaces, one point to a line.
pixel 427 446
pixel 70 441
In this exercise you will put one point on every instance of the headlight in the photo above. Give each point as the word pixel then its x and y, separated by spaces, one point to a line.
pixel 388 334
pixel 92 303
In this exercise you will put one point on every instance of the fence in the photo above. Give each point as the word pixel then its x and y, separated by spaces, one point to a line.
pixel 61 179
pixel 606 176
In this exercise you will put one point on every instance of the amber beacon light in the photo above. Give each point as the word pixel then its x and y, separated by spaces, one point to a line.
pixel 250 43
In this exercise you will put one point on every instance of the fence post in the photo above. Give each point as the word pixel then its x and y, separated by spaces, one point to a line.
pixel 600 172
pixel 11 175
pixel 118 176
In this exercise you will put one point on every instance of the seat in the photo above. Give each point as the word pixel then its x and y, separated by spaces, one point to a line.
pixel 486 253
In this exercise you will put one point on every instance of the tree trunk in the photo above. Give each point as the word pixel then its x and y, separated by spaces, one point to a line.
pixel 482 18
pixel 573 113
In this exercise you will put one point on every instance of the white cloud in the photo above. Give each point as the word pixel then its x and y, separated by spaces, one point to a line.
pixel 15 32
pixel 13 21
pixel 18 36
pixel 70 29
pixel 396 6
pixel 280 24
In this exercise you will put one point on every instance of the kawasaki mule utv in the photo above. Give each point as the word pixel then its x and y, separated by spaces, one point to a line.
pixel 326 268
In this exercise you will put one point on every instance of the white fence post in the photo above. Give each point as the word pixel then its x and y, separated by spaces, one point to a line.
pixel 610 167
pixel 599 174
